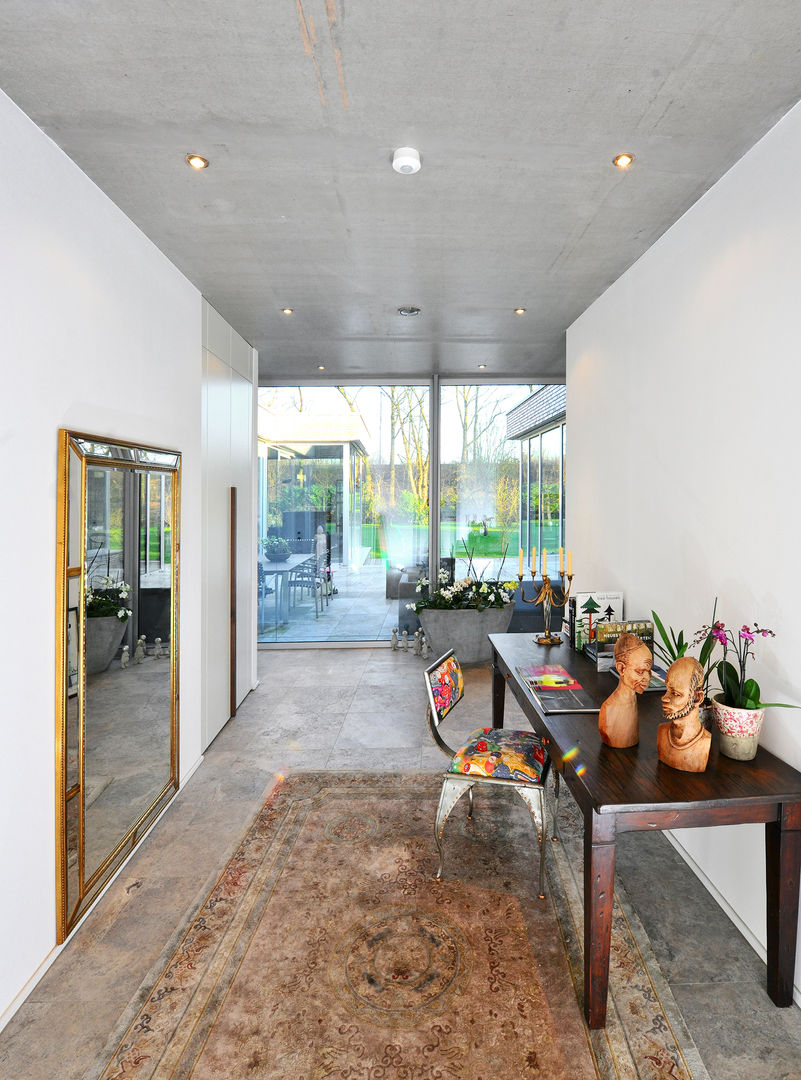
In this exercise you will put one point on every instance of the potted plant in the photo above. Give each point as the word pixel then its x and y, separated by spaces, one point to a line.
pixel 673 646
pixel 738 707
pixel 276 549
pixel 460 615
pixel 107 613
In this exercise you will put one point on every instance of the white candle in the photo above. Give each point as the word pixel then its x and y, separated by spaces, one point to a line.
pixel 544 561
pixel 533 563
pixel 570 564
pixel 561 561
pixel 520 564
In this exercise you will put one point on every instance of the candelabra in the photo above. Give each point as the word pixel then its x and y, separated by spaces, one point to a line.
pixel 548 596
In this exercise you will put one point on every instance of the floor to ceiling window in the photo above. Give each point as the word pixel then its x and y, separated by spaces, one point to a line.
pixel 344 480
pixel 538 424
pixel 480 484
pixel 343 509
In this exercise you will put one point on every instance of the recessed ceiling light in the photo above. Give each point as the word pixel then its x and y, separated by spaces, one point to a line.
pixel 623 160
pixel 321 367
pixel 408 310
pixel 196 161
pixel 287 311
pixel 406 160
pixel 520 311
pixel 481 367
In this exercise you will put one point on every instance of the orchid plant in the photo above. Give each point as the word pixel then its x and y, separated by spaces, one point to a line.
pixel 469 593
pixel 107 597
pixel 739 692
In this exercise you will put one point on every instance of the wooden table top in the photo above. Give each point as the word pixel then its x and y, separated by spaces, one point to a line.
pixel 634 779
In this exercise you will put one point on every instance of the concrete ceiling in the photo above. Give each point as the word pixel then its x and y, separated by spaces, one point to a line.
pixel 516 106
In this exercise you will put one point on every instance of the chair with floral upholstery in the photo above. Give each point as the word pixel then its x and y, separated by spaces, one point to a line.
pixel 498 756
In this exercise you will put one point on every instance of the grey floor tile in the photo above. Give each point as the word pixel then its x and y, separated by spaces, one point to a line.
pixel 739 1033
pixel 365 709
pixel 391 759
pixel 366 730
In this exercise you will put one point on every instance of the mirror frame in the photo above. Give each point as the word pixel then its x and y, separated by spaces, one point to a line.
pixel 69 910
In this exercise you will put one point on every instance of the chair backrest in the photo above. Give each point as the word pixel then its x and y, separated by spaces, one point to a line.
pixel 445 686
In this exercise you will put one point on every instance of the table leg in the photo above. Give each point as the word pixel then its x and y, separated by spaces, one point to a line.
pixel 498 693
pixel 599 882
pixel 783 873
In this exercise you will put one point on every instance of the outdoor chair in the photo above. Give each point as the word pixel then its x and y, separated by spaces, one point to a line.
pixel 304 577
pixel 323 560
pixel 498 756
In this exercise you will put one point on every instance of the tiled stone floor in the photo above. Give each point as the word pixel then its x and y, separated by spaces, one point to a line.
pixel 358 612
pixel 361 708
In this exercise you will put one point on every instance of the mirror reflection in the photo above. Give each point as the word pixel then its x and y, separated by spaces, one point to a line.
pixel 118 673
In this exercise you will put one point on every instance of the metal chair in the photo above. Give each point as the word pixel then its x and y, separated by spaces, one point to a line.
pixel 304 577
pixel 498 756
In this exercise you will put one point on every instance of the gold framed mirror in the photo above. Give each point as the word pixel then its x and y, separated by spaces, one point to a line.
pixel 117 656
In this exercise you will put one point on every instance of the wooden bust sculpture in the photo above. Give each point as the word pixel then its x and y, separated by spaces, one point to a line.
pixel 682 742
pixel 617 722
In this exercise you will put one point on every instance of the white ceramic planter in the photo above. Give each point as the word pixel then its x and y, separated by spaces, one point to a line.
pixel 739 729
pixel 464 631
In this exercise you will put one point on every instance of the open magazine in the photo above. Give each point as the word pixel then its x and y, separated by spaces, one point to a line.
pixel 556 690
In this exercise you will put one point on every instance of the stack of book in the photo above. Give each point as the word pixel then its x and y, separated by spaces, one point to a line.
pixel 601 651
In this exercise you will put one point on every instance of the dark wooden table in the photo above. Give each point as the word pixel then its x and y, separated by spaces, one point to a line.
pixel 623 790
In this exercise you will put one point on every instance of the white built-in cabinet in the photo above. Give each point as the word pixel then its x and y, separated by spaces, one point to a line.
pixel 229 460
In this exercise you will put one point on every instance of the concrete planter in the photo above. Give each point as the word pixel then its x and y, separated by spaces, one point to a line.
pixel 464 631
pixel 103 637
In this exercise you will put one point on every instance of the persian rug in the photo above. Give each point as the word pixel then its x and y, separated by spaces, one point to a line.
pixel 327 950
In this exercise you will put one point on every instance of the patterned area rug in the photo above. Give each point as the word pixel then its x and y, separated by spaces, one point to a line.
pixel 326 949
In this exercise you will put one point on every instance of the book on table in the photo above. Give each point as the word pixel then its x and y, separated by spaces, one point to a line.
pixel 555 689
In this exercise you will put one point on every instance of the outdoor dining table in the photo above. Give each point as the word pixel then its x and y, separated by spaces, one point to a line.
pixel 282 570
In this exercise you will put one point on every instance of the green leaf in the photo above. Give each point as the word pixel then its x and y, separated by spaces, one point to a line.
pixel 777 705
pixel 750 693
pixel 729 682
pixel 706 649
pixel 662 631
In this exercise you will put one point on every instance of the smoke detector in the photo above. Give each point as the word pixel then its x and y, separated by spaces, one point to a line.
pixel 406 160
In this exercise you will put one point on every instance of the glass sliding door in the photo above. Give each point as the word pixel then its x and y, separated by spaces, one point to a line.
pixel 343 509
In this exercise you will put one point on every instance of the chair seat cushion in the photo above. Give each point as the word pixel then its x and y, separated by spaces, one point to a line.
pixel 502 755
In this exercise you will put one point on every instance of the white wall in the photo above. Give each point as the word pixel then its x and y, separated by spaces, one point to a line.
pixel 230 369
pixel 100 333
pixel 683 385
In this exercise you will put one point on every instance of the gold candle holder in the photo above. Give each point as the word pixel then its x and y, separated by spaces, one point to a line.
pixel 548 596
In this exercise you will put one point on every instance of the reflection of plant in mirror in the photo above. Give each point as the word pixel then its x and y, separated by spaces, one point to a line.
pixel 107 597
